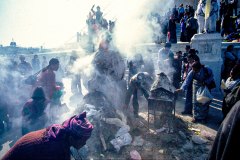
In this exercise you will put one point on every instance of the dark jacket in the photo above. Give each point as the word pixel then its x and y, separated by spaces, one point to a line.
pixel 227 141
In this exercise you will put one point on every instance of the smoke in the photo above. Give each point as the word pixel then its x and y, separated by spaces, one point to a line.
pixel 133 25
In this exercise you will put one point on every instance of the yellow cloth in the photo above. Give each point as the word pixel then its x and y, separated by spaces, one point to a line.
pixel 207 8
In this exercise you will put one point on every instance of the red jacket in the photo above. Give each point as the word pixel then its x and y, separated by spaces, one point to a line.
pixel 35 146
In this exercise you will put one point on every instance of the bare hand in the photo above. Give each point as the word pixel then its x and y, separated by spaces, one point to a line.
pixel 178 90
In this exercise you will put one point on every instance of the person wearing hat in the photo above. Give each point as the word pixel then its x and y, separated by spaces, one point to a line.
pixel 47 78
pixel 33 115
pixel 53 142
pixel 139 82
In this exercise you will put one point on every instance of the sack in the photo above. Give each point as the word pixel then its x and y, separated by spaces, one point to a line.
pixel 203 95
pixel 31 80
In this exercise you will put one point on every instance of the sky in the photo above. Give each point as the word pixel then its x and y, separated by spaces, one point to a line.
pixel 43 22
pixel 52 23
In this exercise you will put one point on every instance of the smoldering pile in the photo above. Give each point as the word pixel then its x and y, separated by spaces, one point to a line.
pixel 111 131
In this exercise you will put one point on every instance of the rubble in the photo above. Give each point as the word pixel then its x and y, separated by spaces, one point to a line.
pixel 138 141
pixel 198 140
pixel 135 155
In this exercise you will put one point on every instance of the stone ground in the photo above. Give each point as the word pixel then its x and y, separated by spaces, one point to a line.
pixel 187 141
pixel 183 141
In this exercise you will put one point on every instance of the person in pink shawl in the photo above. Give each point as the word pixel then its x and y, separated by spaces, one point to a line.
pixel 54 142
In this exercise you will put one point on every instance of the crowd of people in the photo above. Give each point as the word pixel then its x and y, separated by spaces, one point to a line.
pixel 97 24
pixel 183 71
pixel 227 22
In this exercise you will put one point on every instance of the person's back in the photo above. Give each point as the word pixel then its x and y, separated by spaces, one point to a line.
pixel 54 142
pixel 35 146
pixel 33 112
pixel 227 142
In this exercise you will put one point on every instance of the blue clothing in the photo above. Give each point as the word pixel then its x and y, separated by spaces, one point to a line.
pixel 180 10
pixel 183 26
pixel 196 80
pixel 200 76
pixel 188 102
pixel 228 55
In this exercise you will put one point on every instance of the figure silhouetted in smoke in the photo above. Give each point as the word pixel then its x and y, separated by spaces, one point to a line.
pixel 138 82
pixel 24 67
pixel 33 112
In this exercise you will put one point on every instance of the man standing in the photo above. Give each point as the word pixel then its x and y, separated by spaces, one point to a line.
pixel 192 28
pixel 163 54
pixel 172 35
pixel 24 67
pixel 36 63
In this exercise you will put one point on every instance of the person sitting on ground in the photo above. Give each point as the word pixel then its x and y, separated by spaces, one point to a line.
pixel 229 61
pixel 141 81
pixel 33 114
pixel 231 85
pixel 226 143
pixel 233 80
pixel 53 142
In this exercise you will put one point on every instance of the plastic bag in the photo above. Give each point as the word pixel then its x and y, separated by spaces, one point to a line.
pixel 122 131
pixel 203 95
pixel 31 80
pixel 120 141
pixel 135 155
pixel 115 121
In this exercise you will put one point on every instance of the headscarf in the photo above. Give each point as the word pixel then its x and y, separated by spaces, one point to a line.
pixel 38 93
pixel 77 126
